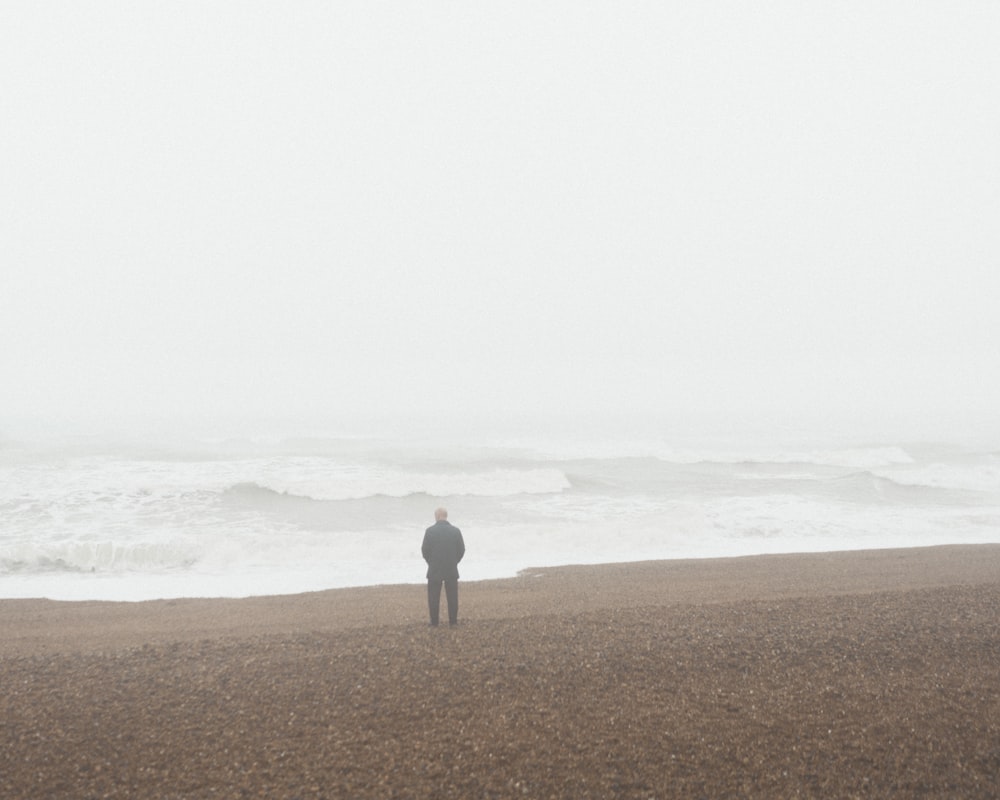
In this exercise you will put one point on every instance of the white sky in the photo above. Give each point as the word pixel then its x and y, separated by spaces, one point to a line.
pixel 330 208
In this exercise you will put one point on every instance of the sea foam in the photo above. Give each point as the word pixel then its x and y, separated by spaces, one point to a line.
pixel 229 519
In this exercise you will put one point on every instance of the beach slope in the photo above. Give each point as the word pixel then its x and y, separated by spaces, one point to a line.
pixel 866 674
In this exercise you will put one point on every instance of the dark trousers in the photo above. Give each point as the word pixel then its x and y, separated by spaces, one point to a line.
pixel 434 598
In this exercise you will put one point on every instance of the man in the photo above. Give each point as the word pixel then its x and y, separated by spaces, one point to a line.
pixel 442 549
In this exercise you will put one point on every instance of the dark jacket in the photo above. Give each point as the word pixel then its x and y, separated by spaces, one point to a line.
pixel 442 549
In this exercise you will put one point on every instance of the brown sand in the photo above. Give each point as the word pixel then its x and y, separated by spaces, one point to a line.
pixel 870 674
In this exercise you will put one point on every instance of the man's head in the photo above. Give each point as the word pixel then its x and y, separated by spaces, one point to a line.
pixel 440 514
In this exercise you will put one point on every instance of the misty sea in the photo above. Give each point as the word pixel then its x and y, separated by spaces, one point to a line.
pixel 117 518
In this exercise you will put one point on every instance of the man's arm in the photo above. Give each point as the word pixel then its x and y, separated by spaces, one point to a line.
pixel 461 547
pixel 425 548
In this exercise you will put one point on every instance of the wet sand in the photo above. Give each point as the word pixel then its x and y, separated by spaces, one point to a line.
pixel 864 674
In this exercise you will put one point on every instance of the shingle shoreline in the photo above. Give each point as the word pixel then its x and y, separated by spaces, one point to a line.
pixel 873 674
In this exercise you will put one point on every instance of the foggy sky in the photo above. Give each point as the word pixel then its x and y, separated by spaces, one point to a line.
pixel 450 208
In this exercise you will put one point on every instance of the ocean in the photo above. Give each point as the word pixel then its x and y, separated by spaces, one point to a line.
pixel 107 517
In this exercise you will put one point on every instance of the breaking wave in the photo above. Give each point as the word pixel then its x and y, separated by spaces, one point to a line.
pixel 983 476
pixel 493 483
pixel 96 556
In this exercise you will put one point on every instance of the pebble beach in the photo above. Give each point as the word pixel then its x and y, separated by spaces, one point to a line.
pixel 850 674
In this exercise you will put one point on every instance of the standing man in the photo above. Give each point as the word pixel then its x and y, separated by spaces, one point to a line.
pixel 442 549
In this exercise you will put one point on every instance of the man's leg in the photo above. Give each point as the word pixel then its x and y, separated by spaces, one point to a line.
pixel 434 599
pixel 451 592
